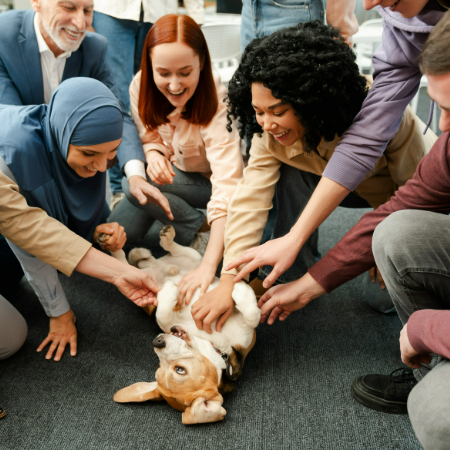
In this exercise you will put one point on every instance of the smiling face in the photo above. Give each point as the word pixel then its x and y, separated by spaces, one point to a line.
pixel 275 116
pixel 439 91
pixel 63 23
pixel 407 8
pixel 176 71
pixel 87 160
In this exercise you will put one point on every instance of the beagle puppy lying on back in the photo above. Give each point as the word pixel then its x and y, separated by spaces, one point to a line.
pixel 196 368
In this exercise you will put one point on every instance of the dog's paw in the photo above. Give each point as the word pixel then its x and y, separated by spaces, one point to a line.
pixel 138 254
pixel 166 235
pixel 103 237
pixel 246 303
pixel 171 270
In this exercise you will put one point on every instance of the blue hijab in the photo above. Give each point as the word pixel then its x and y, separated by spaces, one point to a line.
pixel 34 142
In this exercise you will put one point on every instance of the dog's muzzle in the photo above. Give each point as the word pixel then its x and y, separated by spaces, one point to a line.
pixel 159 342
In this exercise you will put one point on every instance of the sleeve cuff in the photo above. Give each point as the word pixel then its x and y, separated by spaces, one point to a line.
pixel 135 167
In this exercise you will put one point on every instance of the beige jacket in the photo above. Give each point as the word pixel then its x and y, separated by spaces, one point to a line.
pixel 210 149
pixel 252 200
pixel 35 232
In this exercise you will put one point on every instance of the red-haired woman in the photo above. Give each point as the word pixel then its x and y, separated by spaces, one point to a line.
pixel 177 105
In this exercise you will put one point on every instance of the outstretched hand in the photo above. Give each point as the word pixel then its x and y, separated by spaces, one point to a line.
pixel 138 286
pixel 62 332
pixel 279 253
pixel 283 299
pixel 145 192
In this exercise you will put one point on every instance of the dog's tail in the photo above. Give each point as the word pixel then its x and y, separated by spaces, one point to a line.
pixel 138 254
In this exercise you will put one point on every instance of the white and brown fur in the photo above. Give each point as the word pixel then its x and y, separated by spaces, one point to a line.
pixel 192 375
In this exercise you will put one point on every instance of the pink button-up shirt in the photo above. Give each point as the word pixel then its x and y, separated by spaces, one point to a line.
pixel 209 149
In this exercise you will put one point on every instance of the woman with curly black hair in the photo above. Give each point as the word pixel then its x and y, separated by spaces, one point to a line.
pixel 296 92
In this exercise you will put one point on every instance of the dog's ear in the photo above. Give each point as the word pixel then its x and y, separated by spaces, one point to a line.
pixel 226 385
pixel 138 392
pixel 235 363
pixel 204 411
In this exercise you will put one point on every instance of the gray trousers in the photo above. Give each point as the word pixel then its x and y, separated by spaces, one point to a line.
pixel 13 329
pixel 412 251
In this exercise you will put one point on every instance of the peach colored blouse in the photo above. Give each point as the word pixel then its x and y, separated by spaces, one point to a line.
pixel 209 149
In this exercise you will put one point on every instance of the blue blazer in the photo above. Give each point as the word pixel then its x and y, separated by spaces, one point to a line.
pixel 21 73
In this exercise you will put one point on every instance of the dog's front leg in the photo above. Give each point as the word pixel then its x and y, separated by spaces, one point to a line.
pixel 167 299
pixel 246 303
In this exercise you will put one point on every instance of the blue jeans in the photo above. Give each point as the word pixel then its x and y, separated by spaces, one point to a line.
pixel 293 191
pixel 126 40
pixel 263 17
pixel 189 192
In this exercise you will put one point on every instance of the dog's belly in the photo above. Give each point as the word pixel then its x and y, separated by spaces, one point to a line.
pixel 234 332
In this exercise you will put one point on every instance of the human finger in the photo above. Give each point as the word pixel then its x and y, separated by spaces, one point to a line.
pixel 61 348
pixel 250 267
pixel 272 277
pixel 51 349
pixel 372 274
pixel 246 257
pixel 198 318
pixel 222 319
pixel 73 345
pixel 265 298
pixel 274 314
pixel 208 320
pixel 167 171
pixel 44 343
pixel 284 315
pixel 189 293
pixel 380 279
pixel 159 198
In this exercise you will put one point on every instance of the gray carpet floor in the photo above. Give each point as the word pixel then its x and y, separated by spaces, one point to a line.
pixel 294 393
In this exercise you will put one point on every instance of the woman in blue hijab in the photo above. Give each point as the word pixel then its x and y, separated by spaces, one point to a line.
pixel 58 155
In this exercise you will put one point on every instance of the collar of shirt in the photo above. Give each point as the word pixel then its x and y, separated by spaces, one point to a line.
pixel 43 47
pixel 176 111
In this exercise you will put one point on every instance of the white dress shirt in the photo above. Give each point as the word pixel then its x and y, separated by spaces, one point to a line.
pixel 153 9
pixel 52 68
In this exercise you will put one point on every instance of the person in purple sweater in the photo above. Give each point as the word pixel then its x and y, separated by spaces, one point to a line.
pixel 406 27
pixel 411 247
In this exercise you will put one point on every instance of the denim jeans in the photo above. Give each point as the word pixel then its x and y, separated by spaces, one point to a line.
pixel 189 192
pixel 293 191
pixel 263 17
pixel 412 251
pixel 126 40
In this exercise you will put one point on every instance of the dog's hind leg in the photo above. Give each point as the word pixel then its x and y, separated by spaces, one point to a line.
pixel 245 300
pixel 167 299
pixel 166 241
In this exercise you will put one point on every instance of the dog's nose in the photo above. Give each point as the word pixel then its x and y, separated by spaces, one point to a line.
pixel 159 342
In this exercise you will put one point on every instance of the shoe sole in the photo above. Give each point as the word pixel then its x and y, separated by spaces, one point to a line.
pixel 379 404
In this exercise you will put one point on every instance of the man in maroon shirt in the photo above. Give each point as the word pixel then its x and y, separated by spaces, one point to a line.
pixel 411 247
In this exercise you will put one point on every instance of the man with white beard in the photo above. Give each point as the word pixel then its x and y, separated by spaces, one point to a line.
pixel 38 50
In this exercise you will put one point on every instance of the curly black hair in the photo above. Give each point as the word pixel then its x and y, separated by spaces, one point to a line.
pixel 309 66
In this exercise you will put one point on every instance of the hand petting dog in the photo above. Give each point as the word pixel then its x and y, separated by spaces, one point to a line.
pixel 136 285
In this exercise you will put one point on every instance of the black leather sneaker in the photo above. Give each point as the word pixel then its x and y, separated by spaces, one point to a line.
pixel 2 413
pixel 385 393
